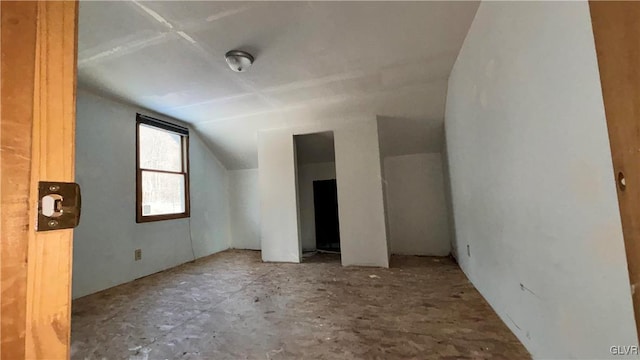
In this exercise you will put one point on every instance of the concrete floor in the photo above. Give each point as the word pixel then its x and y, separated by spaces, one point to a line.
pixel 233 306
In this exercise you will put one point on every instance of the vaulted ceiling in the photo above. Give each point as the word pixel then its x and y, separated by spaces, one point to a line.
pixel 315 61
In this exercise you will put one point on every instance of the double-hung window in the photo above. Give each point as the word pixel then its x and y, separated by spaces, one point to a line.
pixel 162 170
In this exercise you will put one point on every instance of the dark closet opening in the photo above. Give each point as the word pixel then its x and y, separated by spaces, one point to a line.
pixel 325 204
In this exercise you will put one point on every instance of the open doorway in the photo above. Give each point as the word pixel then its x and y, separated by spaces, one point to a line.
pixel 317 194
pixel 325 206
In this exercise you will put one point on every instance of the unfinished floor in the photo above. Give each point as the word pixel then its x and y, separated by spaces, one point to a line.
pixel 233 306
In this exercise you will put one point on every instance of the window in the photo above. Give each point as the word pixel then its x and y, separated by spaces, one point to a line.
pixel 162 170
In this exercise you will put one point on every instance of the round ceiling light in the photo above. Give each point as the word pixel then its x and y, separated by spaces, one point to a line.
pixel 239 61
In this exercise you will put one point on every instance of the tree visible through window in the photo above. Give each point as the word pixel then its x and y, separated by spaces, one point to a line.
pixel 162 174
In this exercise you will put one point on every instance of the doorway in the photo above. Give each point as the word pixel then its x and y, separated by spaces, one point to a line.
pixel 317 195
pixel 325 205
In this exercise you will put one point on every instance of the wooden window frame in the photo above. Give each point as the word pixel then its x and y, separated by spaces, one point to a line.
pixel 164 126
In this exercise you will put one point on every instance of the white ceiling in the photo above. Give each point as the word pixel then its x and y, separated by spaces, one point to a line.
pixel 315 62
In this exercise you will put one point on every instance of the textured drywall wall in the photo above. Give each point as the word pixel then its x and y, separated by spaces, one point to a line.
pixel 278 197
pixel 307 174
pixel 449 203
pixel 244 209
pixel 363 232
pixel 385 199
pixel 360 201
pixel 532 180
pixel 416 205
pixel 210 219
pixel 104 243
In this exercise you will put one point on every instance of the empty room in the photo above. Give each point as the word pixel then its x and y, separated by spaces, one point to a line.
pixel 320 180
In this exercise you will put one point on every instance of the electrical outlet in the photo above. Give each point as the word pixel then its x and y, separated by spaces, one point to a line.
pixel 137 254
pixel 468 251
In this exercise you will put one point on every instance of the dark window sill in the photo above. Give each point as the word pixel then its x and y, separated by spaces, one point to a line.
pixel 152 218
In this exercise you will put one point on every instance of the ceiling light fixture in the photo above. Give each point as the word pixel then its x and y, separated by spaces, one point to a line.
pixel 239 61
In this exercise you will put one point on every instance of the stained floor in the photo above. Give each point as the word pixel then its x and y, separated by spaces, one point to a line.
pixel 232 306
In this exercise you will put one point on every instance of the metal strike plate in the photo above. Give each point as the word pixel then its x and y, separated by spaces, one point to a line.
pixel 59 205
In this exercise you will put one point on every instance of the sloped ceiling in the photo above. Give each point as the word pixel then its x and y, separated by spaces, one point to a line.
pixel 315 61
pixel 315 148
pixel 398 136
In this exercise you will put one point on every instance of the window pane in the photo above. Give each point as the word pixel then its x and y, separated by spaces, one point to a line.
pixel 159 149
pixel 162 193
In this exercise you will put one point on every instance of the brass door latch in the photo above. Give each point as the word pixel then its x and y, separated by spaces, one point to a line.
pixel 59 205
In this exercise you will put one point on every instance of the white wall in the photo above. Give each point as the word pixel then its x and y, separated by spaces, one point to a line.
pixel 278 197
pixel 360 202
pixel 532 180
pixel 416 205
pixel 104 243
pixel 307 174
pixel 244 208
pixel 448 201
pixel 363 234
pixel 210 219
pixel 385 195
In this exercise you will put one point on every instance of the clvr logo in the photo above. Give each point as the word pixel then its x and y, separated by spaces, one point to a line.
pixel 624 350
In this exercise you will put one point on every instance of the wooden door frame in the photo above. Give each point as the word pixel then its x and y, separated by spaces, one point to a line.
pixel 37 140
pixel 616 33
